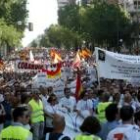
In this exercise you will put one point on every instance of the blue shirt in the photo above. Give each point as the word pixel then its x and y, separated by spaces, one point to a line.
pixel 106 128
pixel 95 103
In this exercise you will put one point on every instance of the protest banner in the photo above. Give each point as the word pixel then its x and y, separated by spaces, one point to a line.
pixel 117 66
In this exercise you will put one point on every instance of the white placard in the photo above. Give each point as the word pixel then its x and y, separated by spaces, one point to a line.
pixel 117 66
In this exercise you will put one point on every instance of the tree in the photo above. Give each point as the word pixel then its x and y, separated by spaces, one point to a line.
pixel 100 23
pixel 108 24
pixel 59 36
pixel 11 13
pixel 9 36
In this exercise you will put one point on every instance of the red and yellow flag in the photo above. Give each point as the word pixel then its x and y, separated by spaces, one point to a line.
pixel 85 53
pixel 55 56
pixel 78 85
pixel 52 74
pixel 77 61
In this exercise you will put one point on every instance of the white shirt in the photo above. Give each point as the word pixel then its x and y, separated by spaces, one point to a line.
pixel 92 72
pixel 44 100
pixel 50 110
pixel 68 102
pixel 84 105
pixel 56 109
pixel 124 132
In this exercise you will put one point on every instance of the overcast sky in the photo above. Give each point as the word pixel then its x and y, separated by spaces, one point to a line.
pixel 42 13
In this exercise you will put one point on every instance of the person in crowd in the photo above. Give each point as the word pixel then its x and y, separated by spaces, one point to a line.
pixel 50 110
pixel 137 119
pixel 17 131
pixel 89 128
pixel 37 115
pixel 126 131
pixel 103 104
pixel 59 126
pixel 128 101
pixel 84 105
pixel 112 116
pixel 68 102
pixel 93 96
pixel 44 95
pixel 8 108
pixel 2 113
pixel 25 98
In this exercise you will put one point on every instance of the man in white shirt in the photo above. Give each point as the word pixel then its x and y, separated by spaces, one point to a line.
pixel 68 101
pixel 126 131
pixel 85 105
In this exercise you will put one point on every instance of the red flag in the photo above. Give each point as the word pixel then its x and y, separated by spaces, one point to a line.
pixel 78 86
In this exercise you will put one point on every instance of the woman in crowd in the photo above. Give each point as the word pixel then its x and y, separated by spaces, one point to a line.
pixel 51 109
pixel 89 128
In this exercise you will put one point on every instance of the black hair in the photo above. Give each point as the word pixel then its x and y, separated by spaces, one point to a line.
pixel 66 89
pixel 50 99
pixel 83 93
pixel 111 112
pixel 24 98
pixel 105 97
pixel 126 113
pixel 91 125
pixel 18 112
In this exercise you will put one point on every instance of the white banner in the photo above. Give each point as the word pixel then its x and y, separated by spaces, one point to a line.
pixel 117 66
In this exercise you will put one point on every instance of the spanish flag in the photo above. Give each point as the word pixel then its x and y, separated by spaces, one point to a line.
pixel 55 56
pixel 85 53
pixel 52 74
pixel 78 85
pixel 77 61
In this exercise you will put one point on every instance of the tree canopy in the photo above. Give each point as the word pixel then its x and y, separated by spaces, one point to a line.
pixel 100 23
pixel 13 14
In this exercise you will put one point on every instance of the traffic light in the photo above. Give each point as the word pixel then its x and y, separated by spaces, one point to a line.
pixel 30 26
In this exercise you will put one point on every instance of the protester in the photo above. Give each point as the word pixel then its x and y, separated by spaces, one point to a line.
pixel 17 131
pixel 112 116
pixel 2 113
pixel 45 96
pixel 127 130
pixel 8 109
pixel 84 105
pixel 103 104
pixel 68 102
pixel 37 116
pixel 59 126
pixel 50 110
pixel 90 127
pixel 137 119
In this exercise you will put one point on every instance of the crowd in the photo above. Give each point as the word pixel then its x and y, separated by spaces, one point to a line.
pixel 109 110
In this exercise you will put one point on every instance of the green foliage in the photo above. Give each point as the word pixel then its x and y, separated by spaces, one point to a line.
pixel 11 13
pixel 99 23
pixel 60 36
pixel 8 34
